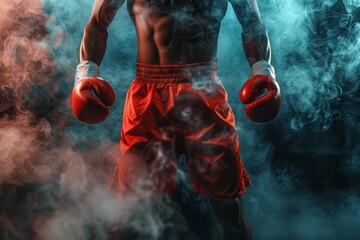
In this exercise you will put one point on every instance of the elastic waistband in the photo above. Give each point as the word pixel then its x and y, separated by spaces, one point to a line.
pixel 176 73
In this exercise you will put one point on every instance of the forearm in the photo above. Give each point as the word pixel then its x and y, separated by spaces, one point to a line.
pixel 93 44
pixel 257 49
pixel 261 92
pixel 256 44
pixel 254 33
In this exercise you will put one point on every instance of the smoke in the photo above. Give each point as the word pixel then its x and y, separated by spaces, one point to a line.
pixel 316 53
pixel 27 69
pixel 52 185
pixel 304 165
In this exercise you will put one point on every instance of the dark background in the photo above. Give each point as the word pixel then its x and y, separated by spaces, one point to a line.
pixel 304 165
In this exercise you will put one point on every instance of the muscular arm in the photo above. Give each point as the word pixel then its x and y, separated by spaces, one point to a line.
pixel 254 36
pixel 93 44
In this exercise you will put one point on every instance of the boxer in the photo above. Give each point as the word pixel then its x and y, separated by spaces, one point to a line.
pixel 176 104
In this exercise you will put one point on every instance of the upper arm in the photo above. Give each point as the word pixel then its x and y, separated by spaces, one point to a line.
pixel 93 44
pixel 247 12
pixel 103 12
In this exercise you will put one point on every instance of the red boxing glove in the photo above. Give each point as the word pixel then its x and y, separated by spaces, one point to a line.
pixel 91 99
pixel 261 106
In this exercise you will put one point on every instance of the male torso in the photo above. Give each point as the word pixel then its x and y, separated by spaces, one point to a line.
pixel 183 31
pixel 165 107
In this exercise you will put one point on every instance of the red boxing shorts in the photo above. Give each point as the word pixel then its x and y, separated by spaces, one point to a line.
pixel 172 110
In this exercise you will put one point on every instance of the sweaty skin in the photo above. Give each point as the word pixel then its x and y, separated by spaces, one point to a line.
pixel 172 32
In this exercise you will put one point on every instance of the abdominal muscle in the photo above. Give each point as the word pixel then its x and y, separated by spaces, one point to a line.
pixel 180 35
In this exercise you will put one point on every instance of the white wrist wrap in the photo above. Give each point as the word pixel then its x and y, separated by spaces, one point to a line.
pixel 264 68
pixel 86 69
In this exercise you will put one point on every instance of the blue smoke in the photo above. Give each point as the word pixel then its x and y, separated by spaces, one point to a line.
pixel 304 165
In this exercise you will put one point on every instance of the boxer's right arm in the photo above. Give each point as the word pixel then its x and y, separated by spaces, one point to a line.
pixel 93 44
pixel 92 96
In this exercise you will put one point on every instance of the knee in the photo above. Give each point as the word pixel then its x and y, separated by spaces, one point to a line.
pixel 230 213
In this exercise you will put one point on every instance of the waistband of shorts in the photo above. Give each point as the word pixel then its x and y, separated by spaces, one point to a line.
pixel 176 73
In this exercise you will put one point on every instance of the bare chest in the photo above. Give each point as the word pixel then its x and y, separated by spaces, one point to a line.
pixel 208 9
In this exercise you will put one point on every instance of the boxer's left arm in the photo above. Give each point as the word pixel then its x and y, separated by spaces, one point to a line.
pixel 261 92
pixel 255 38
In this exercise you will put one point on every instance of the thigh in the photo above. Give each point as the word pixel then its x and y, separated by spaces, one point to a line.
pixel 215 166
pixel 148 168
pixel 212 146
pixel 147 163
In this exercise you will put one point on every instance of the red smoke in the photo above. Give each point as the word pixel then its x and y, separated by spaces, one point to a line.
pixel 35 149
